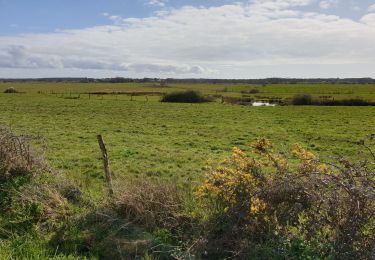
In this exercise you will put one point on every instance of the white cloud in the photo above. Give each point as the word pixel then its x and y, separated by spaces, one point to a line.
pixel 233 39
pixel 328 4
pixel 369 19
pixel 371 8
pixel 159 3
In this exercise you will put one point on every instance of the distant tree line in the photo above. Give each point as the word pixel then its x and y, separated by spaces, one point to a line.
pixel 264 81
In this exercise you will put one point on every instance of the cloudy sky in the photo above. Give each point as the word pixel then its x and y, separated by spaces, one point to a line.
pixel 187 38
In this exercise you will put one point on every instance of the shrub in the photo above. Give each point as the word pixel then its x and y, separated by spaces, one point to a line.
pixel 29 193
pixel 10 90
pixel 18 164
pixel 268 205
pixel 307 99
pixel 16 156
pixel 302 99
pixel 184 97
pixel 345 102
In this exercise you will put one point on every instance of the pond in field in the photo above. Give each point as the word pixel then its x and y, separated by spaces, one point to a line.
pixel 262 104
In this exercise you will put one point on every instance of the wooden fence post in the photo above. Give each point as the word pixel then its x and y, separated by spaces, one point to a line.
pixel 107 171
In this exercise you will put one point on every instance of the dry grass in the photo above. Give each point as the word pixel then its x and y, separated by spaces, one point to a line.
pixel 151 203
pixel 16 154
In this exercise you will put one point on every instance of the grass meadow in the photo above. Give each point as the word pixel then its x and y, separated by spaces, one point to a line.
pixel 173 141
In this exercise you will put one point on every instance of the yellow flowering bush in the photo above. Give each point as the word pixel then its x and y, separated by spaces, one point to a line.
pixel 328 206
pixel 238 180
pixel 232 181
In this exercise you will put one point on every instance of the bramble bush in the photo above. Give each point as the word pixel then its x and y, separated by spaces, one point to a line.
pixel 264 204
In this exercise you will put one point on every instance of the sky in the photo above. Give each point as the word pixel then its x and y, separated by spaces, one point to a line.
pixel 187 38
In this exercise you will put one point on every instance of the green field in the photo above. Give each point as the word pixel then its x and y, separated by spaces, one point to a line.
pixel 175 140
pixel 164 148
pixel 337 91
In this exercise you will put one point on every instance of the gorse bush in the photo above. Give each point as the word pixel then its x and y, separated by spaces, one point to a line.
pixel 189 96
pixel 300 206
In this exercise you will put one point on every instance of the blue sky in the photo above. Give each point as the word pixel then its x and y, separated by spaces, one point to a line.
pixel 187 38
pixel 42 16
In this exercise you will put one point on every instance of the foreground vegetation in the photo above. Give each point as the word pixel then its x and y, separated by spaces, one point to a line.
pixel 259 205
pixel 166 204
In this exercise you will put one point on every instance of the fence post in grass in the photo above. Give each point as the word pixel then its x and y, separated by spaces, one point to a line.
pixel 107 171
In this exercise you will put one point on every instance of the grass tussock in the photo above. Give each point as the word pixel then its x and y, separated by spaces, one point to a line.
pixel 189 96
pixel 151 203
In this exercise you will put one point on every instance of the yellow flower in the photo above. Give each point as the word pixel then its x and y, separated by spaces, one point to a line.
pixel 226 210
pixel 324 168
pixel 257 205
pixel 261 145
pixel 303 154
pixel 209 162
